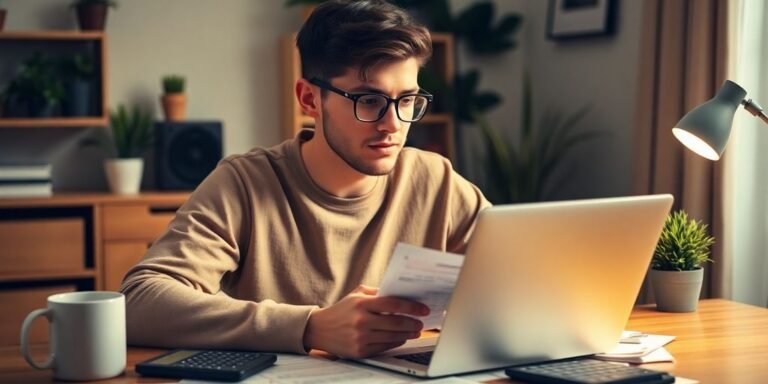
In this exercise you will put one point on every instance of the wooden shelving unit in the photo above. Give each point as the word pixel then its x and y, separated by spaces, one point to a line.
pixel 435 132
pixel 98 41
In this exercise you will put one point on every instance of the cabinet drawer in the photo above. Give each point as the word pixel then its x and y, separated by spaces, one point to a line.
pixel 136 221
pixel 42 245
pixel 119 257
pixel 16 304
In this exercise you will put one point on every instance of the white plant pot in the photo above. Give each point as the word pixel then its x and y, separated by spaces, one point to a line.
pixel 677 291
pixel 124 175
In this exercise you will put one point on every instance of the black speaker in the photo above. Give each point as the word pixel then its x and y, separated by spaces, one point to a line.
pixel 186 152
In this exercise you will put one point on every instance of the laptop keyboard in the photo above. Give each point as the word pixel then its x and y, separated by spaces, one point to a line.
pixel 422 358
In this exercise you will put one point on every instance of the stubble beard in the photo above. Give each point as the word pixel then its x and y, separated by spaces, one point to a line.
pixel 337 147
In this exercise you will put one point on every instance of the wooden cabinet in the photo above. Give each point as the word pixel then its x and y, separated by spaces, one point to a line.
pixel 435 132
pixel 72 243
pixel 16 46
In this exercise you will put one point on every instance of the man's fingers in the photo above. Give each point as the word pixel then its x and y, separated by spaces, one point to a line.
pixel 394 323
pixel 387 337
pixel 396 305
pixel 364 289
pixel 372 349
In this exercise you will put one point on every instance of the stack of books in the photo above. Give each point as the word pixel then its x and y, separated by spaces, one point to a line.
pixel 25 181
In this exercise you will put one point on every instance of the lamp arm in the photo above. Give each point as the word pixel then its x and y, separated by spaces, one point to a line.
pixel 755 109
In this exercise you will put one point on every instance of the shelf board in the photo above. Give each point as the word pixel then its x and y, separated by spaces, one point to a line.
pixel 51 35
pixel 47 275
pixel 156 198
pixel 53 122
pixel 437 118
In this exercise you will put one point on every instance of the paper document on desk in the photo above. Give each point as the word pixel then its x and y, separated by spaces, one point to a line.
pixel 643 348
pixel 295 369
pixel 424 275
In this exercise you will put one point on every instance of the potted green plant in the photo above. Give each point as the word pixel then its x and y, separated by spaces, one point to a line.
pixel 92 14
pixel 131 136
pixel 36 90
pixel 677 268
pixel 77 72
pixel 173 99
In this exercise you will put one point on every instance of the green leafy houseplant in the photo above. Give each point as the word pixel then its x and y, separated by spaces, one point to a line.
pixel 132 132
pixel 173 84
pixel 37 88
pixel 76 66
pixel 173 99
pixel 519 174
pixel 683 245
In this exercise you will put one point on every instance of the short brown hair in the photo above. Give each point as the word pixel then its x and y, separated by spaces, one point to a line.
pixel 342 34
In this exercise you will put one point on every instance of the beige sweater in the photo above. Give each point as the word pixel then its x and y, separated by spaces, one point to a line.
pixel 259 245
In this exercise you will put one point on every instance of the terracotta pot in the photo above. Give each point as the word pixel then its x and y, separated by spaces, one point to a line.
pixel 174 106
pixel 92 17
pixel 2 18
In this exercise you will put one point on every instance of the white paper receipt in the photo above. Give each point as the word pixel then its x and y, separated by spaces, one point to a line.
pixel 424 275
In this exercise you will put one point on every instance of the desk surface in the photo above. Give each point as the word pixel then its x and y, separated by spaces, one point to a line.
pixel 723 342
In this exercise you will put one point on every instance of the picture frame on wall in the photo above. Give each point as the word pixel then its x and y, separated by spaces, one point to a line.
pixel 572 19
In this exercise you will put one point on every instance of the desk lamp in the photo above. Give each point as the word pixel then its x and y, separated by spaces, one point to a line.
pixel 705 129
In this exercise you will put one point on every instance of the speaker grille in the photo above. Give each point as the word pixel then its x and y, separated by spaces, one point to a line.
pixel 186 153
pixel 193 155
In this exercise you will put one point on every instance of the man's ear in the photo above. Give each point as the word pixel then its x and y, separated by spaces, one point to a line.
pixel 308 97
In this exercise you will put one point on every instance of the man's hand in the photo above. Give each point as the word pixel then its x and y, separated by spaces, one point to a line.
pixel 362 324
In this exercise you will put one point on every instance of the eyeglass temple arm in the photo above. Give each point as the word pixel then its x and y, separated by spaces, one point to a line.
pixel 755 109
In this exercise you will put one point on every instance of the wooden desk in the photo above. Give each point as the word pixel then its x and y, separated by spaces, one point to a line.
pixel 723 342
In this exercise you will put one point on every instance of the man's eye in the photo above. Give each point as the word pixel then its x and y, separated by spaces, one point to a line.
pixel 408 100
pixel 370 101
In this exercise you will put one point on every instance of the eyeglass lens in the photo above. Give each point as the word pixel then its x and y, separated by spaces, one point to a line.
pixel 373 107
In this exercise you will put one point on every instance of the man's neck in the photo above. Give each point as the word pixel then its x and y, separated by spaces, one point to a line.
pixel 332 174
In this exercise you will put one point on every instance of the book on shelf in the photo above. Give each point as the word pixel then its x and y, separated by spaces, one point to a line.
pixel 44 189
pixel 22 173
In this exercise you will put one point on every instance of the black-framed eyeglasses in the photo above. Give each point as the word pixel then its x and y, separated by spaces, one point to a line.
pixel 371 107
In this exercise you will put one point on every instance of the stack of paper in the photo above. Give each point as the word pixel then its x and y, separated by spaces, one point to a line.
pixel 636 347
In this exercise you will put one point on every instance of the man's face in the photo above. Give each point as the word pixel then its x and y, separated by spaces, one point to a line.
pixel 369 148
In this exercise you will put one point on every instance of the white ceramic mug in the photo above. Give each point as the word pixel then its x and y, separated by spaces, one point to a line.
pixel 87 335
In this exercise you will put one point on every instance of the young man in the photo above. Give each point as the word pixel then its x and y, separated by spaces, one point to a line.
pixel 279 248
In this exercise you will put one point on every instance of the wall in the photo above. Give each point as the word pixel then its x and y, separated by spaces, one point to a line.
pixel 226 49
pixel 598 72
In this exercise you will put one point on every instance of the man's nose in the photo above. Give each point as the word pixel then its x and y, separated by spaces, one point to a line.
pixel 389 122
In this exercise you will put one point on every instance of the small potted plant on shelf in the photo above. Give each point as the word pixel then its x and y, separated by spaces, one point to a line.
pixel 36 91
pixel 92 14
pixel 173 99
pixel 677 268
pixel 77 71
pixel 131 136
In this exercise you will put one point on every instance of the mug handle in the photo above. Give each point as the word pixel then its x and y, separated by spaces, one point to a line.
pixel 25 327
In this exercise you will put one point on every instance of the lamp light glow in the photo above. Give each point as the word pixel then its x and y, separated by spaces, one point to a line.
pixel 698 146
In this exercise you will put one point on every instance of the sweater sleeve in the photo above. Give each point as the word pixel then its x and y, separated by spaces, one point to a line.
pixel 464 205
pixel 173 296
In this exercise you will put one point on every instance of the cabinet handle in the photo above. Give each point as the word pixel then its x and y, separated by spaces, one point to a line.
pixel 161 210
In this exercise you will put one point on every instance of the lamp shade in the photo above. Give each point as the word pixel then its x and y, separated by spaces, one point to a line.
pixel 705 129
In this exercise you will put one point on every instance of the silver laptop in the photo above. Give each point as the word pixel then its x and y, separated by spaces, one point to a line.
pixel 540 281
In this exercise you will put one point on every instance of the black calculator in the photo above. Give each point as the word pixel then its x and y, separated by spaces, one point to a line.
pixel 586 371
pixel 206 364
